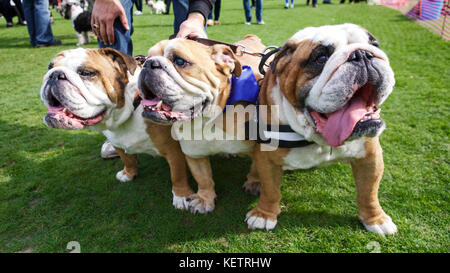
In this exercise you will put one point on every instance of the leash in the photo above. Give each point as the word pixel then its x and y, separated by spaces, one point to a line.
pixel 240 50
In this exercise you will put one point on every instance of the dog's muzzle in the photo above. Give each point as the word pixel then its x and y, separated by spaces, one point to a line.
pixel 160 94
pixel 348 105
pixel 59 115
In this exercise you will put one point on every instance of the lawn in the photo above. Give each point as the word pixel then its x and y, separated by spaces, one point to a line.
pixel 55 188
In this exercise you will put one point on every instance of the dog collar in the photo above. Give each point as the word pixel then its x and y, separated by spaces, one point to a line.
pixel 243 88
pixel 246 88
pixel 282 136
pixel 137 100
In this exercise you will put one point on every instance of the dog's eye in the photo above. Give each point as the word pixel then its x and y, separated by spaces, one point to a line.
pixel 322 59
pixel 86 73
pixel 179 61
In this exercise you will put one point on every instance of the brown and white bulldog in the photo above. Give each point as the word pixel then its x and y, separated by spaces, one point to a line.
pixel 96 88
pixel 188 83
pixel 328 82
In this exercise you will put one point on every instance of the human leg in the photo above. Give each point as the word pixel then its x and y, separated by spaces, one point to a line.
pixel 180 11
pixel 122 37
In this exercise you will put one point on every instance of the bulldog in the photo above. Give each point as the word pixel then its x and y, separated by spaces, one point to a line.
pixel 96 88
pixel 188 84
pixel 328 83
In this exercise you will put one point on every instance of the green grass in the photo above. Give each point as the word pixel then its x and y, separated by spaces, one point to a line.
pixel 55 188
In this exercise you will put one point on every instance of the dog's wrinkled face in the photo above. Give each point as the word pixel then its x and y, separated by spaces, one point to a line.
pixel 182 79
pixel 337 77
pixel 82 86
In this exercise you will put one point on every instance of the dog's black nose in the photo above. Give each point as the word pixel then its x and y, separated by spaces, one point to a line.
pixel 58 75
pixel 358 55
pixel 152 64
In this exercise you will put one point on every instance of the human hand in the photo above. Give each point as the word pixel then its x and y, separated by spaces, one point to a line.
pixel 104 13
pixel 193 27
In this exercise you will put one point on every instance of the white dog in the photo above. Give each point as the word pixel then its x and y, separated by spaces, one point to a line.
pixel 158 7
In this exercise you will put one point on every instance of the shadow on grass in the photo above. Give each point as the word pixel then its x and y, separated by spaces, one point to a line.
pixel 318 219
pixel 25 42
pixel 70 192
pixel 402 18
pixel 153 26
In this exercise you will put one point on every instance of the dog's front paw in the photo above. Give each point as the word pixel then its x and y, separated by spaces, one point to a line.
pixel 201 205
pixel 123 177
pixel 180 202
pixel 384 226
pixel 258 220
pixel 252 187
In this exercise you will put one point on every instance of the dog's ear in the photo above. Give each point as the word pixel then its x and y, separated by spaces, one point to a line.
pixel 226 60
pixel 125 62
pixel 283 57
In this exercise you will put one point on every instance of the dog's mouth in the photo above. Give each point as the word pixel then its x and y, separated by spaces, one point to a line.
pixel 61 117
pixel 359 111
pixel 159 111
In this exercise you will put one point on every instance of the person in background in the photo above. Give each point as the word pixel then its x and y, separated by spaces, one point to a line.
pixel 258 12
pixel 54 3
pixel 112 23
pixel 314 3
pixel 350 1
pixel 138 4
pixel 216 14
pixel 167 2
pixel 180 11
pixel 90 4
pixel 9 9
pixel 37 16
pixel 286 5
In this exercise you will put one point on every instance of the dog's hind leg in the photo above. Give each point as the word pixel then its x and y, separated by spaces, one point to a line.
pixel 204 200
pixel 129 172
pixel 86 38
pixel 367 172
pixel 80 39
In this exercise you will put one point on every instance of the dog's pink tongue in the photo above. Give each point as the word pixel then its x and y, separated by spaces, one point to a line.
pixel 52 109
pixel 150 102
pixel 340 124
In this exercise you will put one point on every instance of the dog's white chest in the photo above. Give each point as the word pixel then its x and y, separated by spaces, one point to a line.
pixel 210 143
pixel 201 148
pixel 132 136
pixel 316 156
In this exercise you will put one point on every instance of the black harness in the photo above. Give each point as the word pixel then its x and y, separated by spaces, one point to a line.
pixel 281 136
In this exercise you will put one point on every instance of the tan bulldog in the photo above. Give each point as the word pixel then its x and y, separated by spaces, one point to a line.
pixel 328 82
pixel 96 89
pixel 187 84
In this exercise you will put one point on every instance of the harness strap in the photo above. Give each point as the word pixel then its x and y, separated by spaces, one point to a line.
pixel 137 100
pixel 265 57
pixel 283 136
